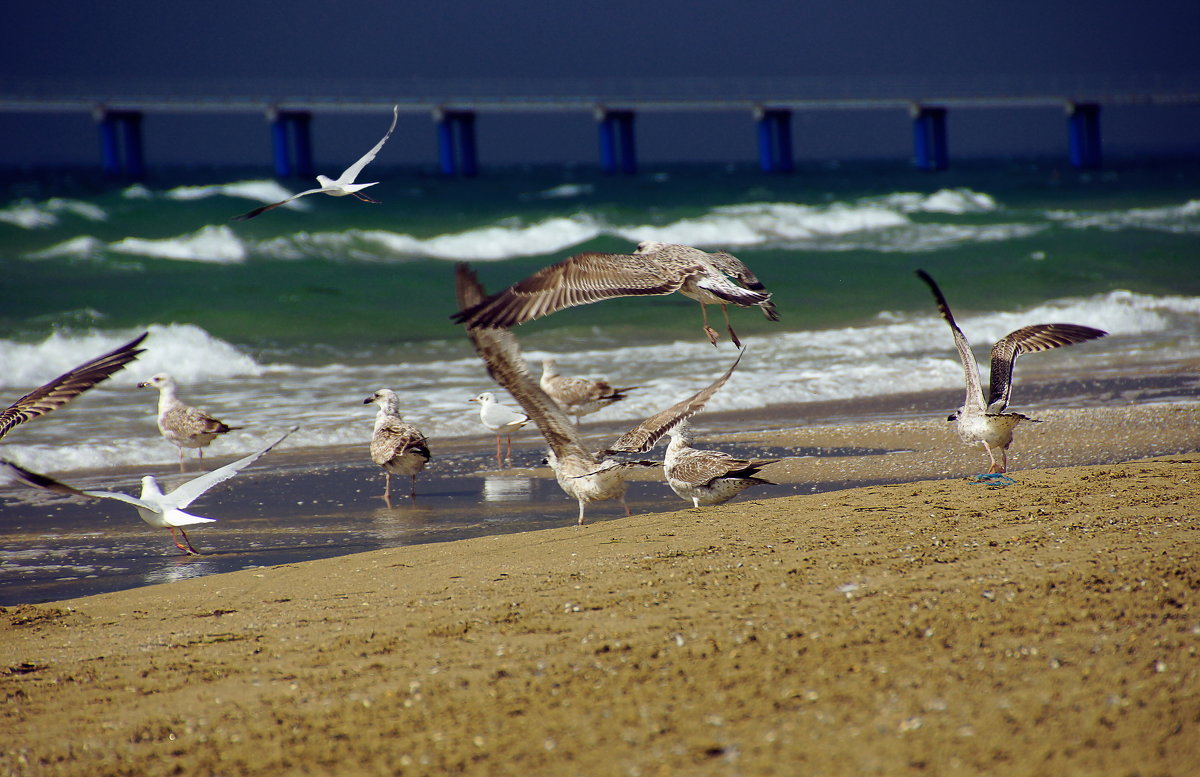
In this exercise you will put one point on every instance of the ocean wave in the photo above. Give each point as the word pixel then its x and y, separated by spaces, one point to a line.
pixel 40 215
pixel 207 244
pixel 259 191
pixel 1177 219
pixel 82 247
pixel 184 350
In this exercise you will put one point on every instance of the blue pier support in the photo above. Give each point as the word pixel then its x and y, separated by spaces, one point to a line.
pixel 618 142
pixel 1083 134
pixel 457 151
pixel 775 140
pixel 121 153
pixel 929 138
pixel 291 143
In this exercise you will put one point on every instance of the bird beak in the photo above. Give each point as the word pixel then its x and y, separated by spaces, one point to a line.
pixel 367 401
pixel 472 399
pixel 143 385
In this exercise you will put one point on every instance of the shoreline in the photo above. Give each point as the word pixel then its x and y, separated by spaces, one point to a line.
pixel 925 627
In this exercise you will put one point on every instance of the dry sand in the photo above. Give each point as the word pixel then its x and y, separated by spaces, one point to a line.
pixel 935 627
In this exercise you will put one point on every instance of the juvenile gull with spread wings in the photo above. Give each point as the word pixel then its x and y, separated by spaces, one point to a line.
pixel 345 183
pixel 584 475
pixel 708 477
pixel 578 396
pixel 396 445
pixel 54 395
pixel 165 511
pixel 180 424
pixel 984 421
pixel 653 269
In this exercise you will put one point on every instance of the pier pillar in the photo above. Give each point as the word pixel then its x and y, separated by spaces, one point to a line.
pixel 121 153
pixel 774 140
pixel 457 152
pixel 291 143
pixel 929 138
pixel 618 142
pixel 1083 135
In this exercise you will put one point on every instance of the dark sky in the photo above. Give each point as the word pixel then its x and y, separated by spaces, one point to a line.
pixel 195 46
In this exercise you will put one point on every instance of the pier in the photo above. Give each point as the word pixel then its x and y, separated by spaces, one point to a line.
pixel 455 107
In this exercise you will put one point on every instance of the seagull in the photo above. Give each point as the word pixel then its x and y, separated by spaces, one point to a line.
pixel 984 421
pixel 54 395
pixel 166 510
pixel 653 269
pixel 578 396
pixel 343 185
pixel 183 425
pixel 708 477
pixel 584 475
pixel 500 419
pixel 397 446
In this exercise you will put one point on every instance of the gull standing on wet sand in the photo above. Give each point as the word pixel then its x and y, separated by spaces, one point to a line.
pixel 500 419
pixel 344 185
pixel 584 475
pixel 708 477
pixel 984 421
pixel 578 396
pixel 182 425
pixel 53 395
pixel 165 511
pixel 396 445
pixel 653 269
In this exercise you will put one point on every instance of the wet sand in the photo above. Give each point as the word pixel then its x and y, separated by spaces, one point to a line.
pixel 933 626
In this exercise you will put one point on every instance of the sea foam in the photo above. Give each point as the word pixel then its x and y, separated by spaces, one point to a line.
pixel 259 191
pixel 39 215
pixel 208 244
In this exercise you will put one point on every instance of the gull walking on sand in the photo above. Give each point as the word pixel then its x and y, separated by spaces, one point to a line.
pixel 345 183
pixel 708 477
pixel 653 269
pixel 984 421
pixel 396 445
pixel 166 510
pixel 182 425
pixel 500 419
pixel 54 395
pixel 586 476
pixel 578 396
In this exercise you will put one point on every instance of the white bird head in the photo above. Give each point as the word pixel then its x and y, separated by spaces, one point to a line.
pixel 160 381
pixel 385 399
pixel 649 246
pixel 150 487
pixel 485 398
pixel 325 181
pixel 682 431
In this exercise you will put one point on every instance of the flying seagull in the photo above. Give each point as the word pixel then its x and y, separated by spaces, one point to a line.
pixel 587 476
pixel 180 424
pixel 500 419
pixel 982 420
pixel 344 184
pixel 396 445
pixel 166 510
pixel 578 396
pixel 708 477
pixel 54 395
pixel 653 269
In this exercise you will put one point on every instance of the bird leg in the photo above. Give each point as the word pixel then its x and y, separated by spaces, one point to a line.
pixel 708 330
pixel 189 549
pixel 732 334
pixel 413 493
pixel 995 468
pixel 499 463
pixel 181 459
pixel 387 488
pixel 508 451
pixel 364 197
pixel 580 521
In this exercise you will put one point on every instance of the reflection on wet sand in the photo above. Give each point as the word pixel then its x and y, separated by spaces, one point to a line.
pixel 180 568
pixel 507 488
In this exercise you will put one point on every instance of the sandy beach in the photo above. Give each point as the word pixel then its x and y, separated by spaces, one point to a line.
pixel 932 626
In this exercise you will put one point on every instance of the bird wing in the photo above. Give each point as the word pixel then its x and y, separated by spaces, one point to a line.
pixel 188 492
pixel 133 500
pixel 69 385
pixel 351 173
pixel 500 352
pixel 264 208
pixel 1029 339
pixel 395 438
pixel 10 473
pixel 970 368
pixel 578 280
pixel 645 435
